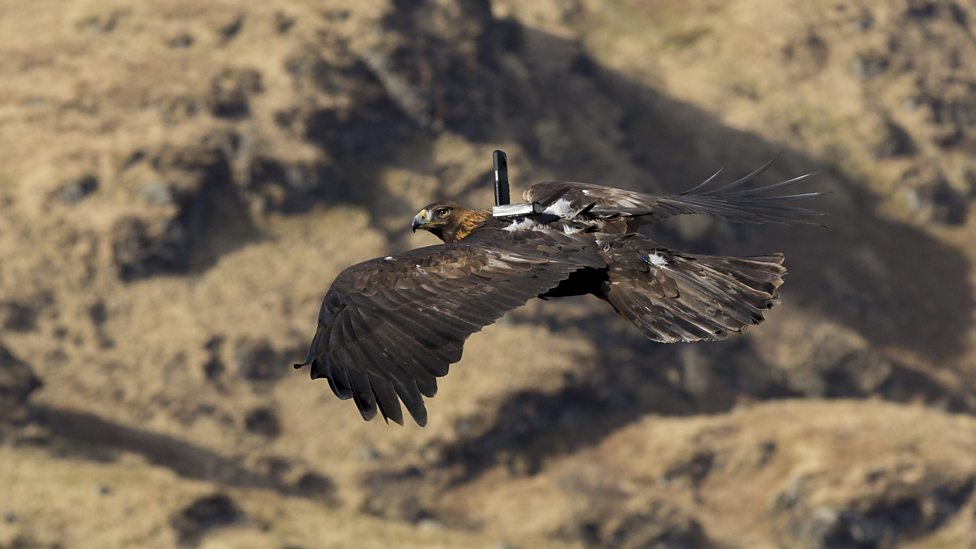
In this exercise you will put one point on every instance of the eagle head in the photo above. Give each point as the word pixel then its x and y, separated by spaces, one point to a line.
pixel 443 220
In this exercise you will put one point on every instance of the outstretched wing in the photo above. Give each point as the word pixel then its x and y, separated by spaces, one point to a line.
pixel 390 326
pixel 729 201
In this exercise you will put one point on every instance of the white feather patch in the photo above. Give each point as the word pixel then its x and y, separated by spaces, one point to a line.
pixel 562 207
pixel 657 260
pixel 521 225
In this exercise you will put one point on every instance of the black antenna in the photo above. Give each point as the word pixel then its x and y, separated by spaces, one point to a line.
pixel 500 160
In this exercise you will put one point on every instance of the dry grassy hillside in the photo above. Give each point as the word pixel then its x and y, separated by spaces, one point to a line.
pixel 181 181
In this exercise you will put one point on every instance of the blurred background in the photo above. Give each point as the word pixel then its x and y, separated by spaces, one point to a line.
pixel 180 182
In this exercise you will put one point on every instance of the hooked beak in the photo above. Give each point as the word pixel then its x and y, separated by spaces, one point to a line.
pixel 419 220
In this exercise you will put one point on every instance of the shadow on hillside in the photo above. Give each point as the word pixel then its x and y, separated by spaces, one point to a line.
pixel 183 458
pixel 98 438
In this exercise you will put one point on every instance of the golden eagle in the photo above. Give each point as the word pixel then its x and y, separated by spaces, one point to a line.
pixel 389 327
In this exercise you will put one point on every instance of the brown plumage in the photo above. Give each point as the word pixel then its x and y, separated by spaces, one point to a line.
pixel 390 326
pixel 450 221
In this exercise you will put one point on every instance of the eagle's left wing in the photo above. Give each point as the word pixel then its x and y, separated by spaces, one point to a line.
pixel 730 201
pixel 389 326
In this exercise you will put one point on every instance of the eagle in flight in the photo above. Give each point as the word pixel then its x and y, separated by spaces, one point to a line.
pixel 389 327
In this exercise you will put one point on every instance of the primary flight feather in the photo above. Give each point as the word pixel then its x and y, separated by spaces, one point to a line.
pixel 389 327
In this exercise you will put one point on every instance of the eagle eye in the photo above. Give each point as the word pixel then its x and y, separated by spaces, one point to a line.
pixel 442 212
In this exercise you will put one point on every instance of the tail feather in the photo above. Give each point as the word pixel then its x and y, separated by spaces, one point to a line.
pixel 675 297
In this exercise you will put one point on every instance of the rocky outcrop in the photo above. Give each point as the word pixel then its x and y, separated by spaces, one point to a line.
pixel 17 382
pixel 204 514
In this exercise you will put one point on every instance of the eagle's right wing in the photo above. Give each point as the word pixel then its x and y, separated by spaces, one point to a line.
pixel 729 201
pixel 390 326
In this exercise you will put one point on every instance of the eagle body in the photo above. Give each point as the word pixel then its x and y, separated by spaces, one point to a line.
pixel 389 327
